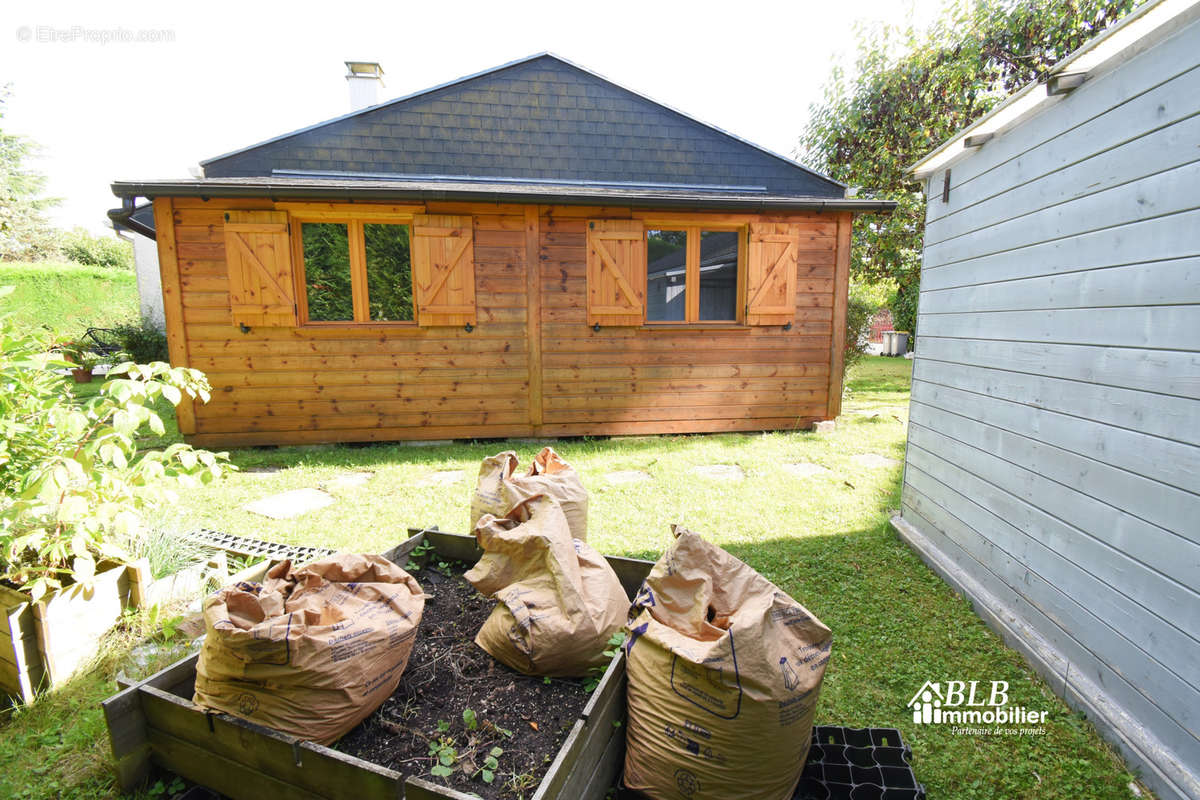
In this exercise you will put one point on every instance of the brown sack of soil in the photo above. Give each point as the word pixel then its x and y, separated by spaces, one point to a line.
pixel 559 600
pixel 724 673
pixel 499 488
pixel 312 650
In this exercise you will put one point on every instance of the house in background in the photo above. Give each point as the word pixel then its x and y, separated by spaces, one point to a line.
pixel 1053 464
pixel 530 251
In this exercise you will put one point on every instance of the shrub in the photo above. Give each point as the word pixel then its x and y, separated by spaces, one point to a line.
pixel 74 479
pixel 861 306
pixel 97 251
pixel 142 343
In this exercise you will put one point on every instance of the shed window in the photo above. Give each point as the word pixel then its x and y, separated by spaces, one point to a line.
pixel 692 274
pixel 666 276
pixel 356 271
pixel 327 271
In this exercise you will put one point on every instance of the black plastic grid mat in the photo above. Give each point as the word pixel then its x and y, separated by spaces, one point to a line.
pixel 255 548
pixel 858 764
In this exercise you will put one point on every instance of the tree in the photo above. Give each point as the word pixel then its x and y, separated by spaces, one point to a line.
pixel 912 90
pixel 24 232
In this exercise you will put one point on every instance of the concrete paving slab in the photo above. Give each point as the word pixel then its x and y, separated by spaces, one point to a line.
pixel 804 469
pixel 444 478
pixel 720 472
pixel 622 476
pixel 288 505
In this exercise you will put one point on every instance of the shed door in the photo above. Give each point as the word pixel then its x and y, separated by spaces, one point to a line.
pixel 771 280
pixel 443 259
pixel 259 256
pixel 616 272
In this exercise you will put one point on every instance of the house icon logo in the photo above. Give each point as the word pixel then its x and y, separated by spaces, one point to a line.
pixel 928 698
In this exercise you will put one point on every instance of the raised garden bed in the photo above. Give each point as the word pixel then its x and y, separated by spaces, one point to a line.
pixel 155 722
pixel 43 643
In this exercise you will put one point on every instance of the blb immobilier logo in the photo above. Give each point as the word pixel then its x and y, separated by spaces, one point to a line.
pixel 963 703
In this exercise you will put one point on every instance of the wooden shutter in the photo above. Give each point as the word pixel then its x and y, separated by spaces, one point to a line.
pixel 616 272
pixel 771 282
pixel 443 260
pixel 259 255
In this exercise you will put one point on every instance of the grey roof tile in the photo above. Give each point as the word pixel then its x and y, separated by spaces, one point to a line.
pixel 537 119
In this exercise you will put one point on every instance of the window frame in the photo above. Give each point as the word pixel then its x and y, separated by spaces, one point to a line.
pixel 693 227
pixel 360 293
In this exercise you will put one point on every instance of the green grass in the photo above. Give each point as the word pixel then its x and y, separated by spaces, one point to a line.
pixel 62 299
pixel 825 540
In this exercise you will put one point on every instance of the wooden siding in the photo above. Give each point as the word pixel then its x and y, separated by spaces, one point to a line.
pixel 1054 445
pixel 531 365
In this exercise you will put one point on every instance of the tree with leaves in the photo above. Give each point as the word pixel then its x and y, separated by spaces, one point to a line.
pixel 912 90
pixel 24 233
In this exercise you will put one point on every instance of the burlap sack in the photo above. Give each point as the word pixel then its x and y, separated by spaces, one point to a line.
pixel 724 673
pixel 499 489
pixel 559 600
pixel 310 651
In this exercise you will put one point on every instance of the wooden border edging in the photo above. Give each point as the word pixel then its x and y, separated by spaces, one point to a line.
pixel 155 721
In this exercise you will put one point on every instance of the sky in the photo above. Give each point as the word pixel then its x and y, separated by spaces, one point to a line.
pixel 135 90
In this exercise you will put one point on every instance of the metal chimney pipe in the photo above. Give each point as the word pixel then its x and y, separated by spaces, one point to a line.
pixel 364 79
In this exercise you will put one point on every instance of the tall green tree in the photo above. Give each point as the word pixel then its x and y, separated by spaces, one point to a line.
pixel 24 232
pixel 911 90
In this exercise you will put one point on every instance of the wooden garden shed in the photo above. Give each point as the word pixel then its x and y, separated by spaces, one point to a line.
pixel 529 251
pixel 1053 464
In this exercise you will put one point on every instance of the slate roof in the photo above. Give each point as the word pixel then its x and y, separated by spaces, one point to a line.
pixel 541 119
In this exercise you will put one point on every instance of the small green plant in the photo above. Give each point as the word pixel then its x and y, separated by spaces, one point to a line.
pixel 417 555
pixel 596 674
pixel 469 719
pixel 490 764
pixel 443 726
pixel 443 750
pixel 160 789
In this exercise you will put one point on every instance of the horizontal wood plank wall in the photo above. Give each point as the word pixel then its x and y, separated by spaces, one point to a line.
pixel 630 380
pixel 357 382
pixel 368 383
pixel 1054 446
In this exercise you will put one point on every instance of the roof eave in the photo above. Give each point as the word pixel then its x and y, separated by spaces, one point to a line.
pixel 280 190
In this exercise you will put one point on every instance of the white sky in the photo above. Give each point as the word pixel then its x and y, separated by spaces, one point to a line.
pixel 233 74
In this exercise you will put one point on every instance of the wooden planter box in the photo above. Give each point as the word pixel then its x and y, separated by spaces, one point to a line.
pixel 185 584
pixel 43 643
pixel 155 722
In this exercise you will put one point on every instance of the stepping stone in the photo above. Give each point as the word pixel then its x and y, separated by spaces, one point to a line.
pixel 445 478
pixel 287 505
pixel 720 472
pixel 805 469
pixel 262 472
pixel 874 461
pixel 347 480
pixel 627 476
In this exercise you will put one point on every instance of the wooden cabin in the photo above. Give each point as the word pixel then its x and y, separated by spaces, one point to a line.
pixel 530 251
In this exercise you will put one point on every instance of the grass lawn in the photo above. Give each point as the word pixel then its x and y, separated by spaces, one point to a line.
pixel 823 538
pixel 63 299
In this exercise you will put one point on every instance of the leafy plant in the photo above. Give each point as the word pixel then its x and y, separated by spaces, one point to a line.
pixel 97 251
pixel 910 91
pixel 861 306
pixel 596 674
pixel 491 763
pixel 469 719
pixel 443 750
pixel 142 343
pixel 74 480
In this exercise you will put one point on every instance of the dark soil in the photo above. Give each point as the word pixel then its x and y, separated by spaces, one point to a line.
pixel 447 674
